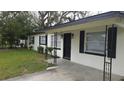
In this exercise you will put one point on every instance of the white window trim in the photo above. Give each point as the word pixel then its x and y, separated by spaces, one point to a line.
pixel 52 41
pixel 42 43
pixel 85 44
pixel 32 40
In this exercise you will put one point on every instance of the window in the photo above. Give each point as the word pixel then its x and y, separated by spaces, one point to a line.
pixel 42 40
pixel 58 41
pixel 31 40
pixel 95 42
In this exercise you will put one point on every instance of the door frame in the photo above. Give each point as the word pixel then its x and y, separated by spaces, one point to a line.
pixel 64 47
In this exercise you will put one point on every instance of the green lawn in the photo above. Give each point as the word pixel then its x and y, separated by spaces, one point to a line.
pixel 20 61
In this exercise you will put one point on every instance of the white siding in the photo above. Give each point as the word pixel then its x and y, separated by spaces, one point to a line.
pixel 41 44
pixel 59 52
pixel 97 61
pixel 118 63
pixel 81 58
pixel 36 43
pixel 88 59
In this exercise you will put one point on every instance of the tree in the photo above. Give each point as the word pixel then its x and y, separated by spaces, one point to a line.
pixel 51 18
pixel 15 25
pixel 47 18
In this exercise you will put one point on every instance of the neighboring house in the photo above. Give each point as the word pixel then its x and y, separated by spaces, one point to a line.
pixel 88 40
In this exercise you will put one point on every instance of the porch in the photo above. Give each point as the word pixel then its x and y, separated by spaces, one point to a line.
pixel 67 71
pixel 78 72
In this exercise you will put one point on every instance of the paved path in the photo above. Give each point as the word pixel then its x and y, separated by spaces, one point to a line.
pixel 66 71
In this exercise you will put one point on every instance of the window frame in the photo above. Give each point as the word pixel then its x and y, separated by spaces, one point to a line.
pixel 31 40
pixel 85 45
pixel 41 39
pixel 52 42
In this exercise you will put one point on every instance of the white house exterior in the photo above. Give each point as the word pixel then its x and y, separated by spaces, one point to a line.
pixel 50 42
pixel 93 40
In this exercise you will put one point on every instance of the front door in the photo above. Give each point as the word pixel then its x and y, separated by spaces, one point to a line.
pixel 67 46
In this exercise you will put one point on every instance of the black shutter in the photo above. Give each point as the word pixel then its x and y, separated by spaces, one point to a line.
pixel 112 37
pixel 46 40
pixel 82 36
pixel 39 40
pixel 33 40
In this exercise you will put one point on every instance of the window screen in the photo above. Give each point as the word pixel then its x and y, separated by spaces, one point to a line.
pixel 42 40
pixel 31 40
pixel 95 42
pixel 58 41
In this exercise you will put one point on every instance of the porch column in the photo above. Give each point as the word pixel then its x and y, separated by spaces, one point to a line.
pixel 46 54
pixel 55 48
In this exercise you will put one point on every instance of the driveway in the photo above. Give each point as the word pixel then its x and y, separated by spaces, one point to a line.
pixel 66 71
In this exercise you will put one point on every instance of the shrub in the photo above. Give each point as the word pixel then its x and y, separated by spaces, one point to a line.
pixel 30 47
pixel 50 49
pixel 51 65
pixel 22 45
pixel 40 49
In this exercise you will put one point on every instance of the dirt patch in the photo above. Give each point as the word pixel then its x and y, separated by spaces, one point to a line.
pixel 4 49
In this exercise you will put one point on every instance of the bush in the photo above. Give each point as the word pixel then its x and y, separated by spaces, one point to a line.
pixel 22 45
pixel 51 65
pixel 40 49
pixel 30 47
pixel 50 49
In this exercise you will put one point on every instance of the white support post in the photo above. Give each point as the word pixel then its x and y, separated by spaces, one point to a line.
pixel 55 48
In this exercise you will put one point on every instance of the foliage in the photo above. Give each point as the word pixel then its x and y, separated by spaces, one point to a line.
pixel 51 64
pixel 40 49
pixel 15 25
pixel 49 50
pixel 30 47
pixel 22 45
pixel 50 18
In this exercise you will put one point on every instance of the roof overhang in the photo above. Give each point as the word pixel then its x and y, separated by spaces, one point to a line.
pixel 35 33
pixel 121 23
pixel 92 24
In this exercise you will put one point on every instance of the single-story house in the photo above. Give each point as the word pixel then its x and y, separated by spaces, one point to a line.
pixel 39 39
pixel 90 41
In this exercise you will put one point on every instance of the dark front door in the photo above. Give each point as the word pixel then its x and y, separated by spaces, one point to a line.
pixel 67 46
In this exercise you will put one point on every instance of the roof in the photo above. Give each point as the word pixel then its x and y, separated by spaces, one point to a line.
pixel 88 19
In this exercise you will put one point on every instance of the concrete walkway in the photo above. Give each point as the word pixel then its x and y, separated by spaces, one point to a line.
pixel 66 71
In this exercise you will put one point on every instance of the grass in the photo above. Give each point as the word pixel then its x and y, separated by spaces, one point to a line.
pixel 20 61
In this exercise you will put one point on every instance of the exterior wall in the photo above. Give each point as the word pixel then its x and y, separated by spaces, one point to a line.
pixel 22 41
pixel 59 52
pixel 36 43
pixel 118 63
pixel 98 61
pixel 89 59
pixel 28 41
pixel 82 58
pixel 41 44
